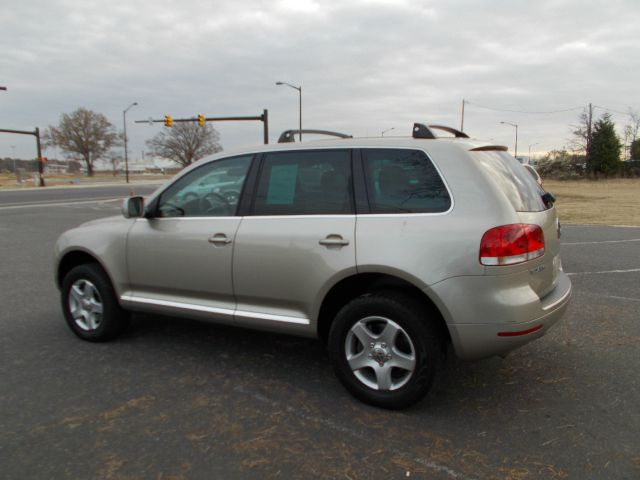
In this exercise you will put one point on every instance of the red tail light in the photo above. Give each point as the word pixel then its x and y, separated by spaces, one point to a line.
pixel 511 244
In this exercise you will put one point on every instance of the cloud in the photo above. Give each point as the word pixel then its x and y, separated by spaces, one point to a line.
pixel 364 65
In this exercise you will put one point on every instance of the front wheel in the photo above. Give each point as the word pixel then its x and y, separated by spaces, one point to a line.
pixel 90 305
pixel 385 349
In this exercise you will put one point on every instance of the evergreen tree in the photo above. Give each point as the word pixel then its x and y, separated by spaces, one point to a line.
pixel 635 149
pixel 603 156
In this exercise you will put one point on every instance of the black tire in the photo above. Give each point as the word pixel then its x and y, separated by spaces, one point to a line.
pixel 92 288
pixel 425 349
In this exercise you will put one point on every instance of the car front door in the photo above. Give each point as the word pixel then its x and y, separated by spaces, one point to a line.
pixel 297 241
pixel 180 259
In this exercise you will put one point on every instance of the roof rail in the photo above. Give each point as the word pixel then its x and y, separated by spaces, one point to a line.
pixel 422 131
pixel 287 135
pixel 456 133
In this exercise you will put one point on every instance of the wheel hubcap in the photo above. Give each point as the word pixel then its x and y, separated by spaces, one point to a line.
pixel 380 353
pixel 85 305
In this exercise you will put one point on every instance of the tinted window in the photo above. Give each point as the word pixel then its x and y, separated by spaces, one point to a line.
pixel 406 181
pixel 305 183
pixel 515 182
pixel 212 190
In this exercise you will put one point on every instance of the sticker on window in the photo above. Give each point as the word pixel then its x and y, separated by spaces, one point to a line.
pixel 282 184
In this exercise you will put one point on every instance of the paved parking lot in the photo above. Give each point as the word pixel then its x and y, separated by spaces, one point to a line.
pixel 182 399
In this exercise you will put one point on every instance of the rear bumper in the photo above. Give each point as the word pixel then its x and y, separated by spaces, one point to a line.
pixel 524 318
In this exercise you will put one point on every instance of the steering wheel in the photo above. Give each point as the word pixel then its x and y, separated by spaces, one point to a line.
pixel 231 196
pixel 211 202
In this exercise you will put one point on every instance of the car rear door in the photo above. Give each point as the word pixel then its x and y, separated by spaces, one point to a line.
pixel 299 238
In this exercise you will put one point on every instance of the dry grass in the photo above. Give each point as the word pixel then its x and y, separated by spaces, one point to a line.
pixel 607 202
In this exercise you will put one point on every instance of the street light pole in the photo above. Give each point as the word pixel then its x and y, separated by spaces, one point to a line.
pixel 126 157
pixel 530 151
pixel 513 125
pixel 387 130
pixel 299 89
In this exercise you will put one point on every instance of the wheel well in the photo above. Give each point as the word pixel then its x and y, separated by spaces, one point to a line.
pixel 72 260
pixel 361 284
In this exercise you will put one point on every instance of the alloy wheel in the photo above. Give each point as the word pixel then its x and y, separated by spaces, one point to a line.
pixel 380 353
pixel 85 305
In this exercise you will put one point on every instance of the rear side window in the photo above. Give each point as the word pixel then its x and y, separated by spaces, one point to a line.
pixel 513 180
pixel 305 183
pixel 403 181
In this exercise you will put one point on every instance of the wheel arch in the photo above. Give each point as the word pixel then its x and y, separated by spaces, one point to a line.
pixel 72 259
pixel 360 284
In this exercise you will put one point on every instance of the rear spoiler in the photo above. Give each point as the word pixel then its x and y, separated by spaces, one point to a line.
pixel 489 148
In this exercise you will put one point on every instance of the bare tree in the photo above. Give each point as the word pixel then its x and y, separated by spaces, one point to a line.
pixel 185 142
pixel 115 160
pixel 86 133
pixel 631 130
pixel 581 134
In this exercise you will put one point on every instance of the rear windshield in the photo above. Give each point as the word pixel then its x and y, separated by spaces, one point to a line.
pixel 513 180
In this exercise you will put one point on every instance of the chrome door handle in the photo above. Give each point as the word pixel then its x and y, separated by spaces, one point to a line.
pixel 334 240
pixel 219 239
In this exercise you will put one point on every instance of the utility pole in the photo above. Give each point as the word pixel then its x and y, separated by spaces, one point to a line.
pixel 40 160
pixel 15 172
pixel 265 124
pixel 462 121
pixel 589 126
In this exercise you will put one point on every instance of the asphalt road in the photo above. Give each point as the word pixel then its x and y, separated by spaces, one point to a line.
pixel 181 399
pixel 57 195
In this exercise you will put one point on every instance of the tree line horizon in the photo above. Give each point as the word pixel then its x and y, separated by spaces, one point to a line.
pixel 89 136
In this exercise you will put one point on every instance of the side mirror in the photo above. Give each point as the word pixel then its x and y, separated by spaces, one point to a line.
pixel 133 207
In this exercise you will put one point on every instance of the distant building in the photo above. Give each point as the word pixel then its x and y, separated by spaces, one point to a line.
pixel 136 168
pixel 55 168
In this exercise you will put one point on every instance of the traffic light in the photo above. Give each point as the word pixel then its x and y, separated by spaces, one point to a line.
pixel 201 120
pixel 168 121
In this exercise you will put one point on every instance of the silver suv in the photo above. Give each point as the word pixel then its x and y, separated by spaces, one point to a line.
pixel 387 249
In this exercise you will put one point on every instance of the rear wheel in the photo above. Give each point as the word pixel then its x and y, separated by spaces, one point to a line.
pixel 385 349
pixel 90 306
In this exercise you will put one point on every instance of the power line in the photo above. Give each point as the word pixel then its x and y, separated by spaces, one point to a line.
pixel 524 111
pixel 612 110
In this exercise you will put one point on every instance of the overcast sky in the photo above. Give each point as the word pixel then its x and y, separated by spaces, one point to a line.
pixel 364 66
